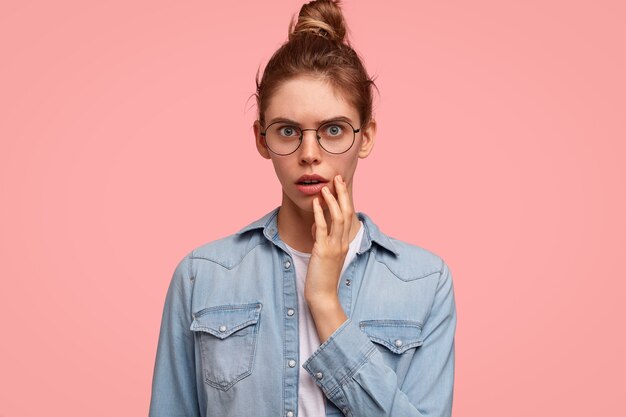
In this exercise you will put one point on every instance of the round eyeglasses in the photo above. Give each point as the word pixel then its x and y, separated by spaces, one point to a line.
pixel 284 138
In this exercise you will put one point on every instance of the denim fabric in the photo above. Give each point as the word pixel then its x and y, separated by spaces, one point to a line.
pixel 228 344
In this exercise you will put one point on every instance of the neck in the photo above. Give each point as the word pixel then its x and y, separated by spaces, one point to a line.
pixel 295 225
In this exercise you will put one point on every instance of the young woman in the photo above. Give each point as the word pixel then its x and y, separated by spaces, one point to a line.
pixel 311 310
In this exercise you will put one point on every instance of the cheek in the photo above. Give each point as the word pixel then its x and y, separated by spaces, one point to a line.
pixel 347 166
pixel 281 169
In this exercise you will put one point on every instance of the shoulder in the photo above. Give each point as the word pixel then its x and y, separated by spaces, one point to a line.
pixel 406 261
pixel 410 262
pixel 228 251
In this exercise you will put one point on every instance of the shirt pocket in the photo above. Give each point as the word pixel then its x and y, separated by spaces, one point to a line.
pixel 397 336
pixel 227 336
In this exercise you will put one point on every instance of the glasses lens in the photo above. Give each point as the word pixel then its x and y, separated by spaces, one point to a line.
pixel 336 137
pixel 282 138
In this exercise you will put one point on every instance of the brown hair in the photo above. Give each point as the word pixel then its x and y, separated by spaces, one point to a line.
pixel 317 46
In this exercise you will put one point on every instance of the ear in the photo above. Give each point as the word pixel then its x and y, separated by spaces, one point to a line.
pixel 368 134
pixel 260 140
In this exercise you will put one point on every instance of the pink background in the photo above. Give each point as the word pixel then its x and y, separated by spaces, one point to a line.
pixel 126 141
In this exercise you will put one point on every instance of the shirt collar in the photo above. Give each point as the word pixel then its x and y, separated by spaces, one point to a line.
pixel 373 234
pixel 269 224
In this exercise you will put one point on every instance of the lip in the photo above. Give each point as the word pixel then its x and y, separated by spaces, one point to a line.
pixel 311 189
pixel 312 177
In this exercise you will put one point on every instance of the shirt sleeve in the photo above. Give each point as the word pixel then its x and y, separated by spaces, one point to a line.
pixel 351 372
pixel 174 390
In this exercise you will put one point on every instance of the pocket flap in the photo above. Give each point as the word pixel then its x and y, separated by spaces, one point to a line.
pixel 395 335
pixel 222 321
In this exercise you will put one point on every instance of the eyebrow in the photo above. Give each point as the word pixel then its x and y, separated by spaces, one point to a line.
pixel 321 122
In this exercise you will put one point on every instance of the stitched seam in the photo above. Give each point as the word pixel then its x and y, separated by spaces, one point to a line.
pixel 391 323
pixel 275 214
pixel 394 349
pixel 351 371
pixel 230 332
pixel 239 262
pixel 407 280
pixel 430 310
pixel 284 353
pixel 228 385
pixel 190 261
pixel 228 307
pixel 193 286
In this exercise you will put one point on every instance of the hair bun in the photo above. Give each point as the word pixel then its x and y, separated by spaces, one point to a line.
pixel 321 17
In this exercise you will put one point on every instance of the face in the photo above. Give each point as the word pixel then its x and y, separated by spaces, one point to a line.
pixel 310 101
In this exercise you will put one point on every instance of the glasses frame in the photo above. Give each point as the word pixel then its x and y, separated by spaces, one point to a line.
pixel 317 136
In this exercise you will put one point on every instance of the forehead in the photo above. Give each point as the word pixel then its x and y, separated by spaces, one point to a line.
pixel 308 100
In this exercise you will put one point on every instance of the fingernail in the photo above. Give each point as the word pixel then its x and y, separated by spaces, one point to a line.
pixel 340 179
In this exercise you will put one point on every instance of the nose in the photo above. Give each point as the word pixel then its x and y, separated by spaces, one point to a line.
pixel 310 151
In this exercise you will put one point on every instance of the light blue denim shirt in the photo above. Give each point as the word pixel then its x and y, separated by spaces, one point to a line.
pixel 228 344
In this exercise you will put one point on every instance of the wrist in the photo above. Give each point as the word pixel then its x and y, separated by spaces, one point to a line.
pixel 328 316
pixel 317 300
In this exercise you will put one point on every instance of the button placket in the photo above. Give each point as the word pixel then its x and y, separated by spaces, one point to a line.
pixel 290 349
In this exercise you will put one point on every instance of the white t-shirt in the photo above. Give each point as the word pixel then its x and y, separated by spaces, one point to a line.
pixel 311 401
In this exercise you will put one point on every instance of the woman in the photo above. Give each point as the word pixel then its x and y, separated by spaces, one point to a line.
pixel 311 310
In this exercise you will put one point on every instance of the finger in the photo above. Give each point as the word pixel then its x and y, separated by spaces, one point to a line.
pixel 320 222
pixel 336 227
pixel 346 206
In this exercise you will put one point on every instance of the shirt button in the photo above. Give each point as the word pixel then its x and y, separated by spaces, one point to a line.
pixel 398 343
pixel 271 230
pixel 348 282
pixel 291 363
pixel 287 264
pixel 289 413
pixel 291 312
pixel 222 329
pixel 319 375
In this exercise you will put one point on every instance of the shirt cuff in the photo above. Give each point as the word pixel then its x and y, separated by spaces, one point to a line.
pixel 339 358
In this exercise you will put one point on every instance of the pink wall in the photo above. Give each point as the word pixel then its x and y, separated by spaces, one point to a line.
pixel 125 141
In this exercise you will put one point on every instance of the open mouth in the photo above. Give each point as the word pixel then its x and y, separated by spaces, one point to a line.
pixel 311 184
pixel 311 179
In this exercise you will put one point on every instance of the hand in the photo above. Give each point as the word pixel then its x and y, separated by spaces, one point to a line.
pixel 327 258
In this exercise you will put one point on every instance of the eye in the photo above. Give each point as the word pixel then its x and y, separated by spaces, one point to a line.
pixel 288 131
pixel 334 130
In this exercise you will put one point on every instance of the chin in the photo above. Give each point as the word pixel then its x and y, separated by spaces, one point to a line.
pixel 307 205
pixel 304 203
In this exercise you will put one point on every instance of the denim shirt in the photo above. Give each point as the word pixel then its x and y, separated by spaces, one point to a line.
pixel 228 343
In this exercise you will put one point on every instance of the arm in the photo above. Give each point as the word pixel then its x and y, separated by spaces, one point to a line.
pixel 348 367
pixel 174 380
pixel 352 374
